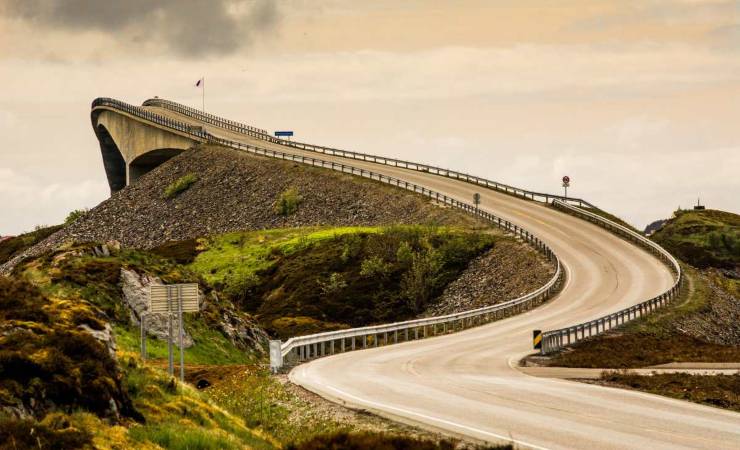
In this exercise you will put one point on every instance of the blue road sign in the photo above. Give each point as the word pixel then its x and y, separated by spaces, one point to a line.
pixel 283 133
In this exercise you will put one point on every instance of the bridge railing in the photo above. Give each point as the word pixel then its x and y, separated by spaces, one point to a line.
pixel 208 118
pixel 555 340
pixel 307 347
pixel 250 131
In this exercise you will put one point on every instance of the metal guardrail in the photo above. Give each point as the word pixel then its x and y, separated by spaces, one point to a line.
pixel 305 347
pixel 207 117
pixel 555 340
pixel 251 131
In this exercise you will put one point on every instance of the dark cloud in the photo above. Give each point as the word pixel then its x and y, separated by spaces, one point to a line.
pixel 187 27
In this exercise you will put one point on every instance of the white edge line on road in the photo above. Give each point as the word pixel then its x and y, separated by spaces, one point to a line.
pixel 434 419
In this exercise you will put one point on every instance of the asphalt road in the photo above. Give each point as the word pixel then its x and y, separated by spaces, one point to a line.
pixel 468 384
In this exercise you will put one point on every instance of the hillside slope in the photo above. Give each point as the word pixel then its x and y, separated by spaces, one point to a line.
pixel 703 325
pixel 237 191
pixel 704 238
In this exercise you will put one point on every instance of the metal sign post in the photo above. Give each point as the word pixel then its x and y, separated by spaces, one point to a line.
pixel 476 200
pixel 566 184
pixel 173 299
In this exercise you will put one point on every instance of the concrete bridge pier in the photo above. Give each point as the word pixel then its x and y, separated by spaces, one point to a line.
pixel 131 148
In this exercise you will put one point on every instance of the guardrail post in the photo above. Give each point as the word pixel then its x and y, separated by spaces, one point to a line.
pixel 276 355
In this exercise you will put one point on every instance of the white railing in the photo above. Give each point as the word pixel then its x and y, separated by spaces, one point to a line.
pixel 261 134
pixel 555 340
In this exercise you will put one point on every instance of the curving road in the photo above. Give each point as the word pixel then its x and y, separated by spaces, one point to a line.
pixel 468 384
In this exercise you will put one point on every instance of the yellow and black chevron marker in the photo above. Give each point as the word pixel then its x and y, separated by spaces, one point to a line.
pixel 537 339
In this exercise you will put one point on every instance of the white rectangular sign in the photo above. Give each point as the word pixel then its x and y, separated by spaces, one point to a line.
pixel 163 298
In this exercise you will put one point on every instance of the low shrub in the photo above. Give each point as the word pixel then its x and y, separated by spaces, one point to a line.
pixel 180 185
pixel 19 434
pixel 288 202
pixel 75 215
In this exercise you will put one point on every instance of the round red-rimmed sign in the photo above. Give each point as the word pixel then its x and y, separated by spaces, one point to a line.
pixel 566 179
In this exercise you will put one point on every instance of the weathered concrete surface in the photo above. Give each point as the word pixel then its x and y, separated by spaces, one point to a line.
pixel 131 148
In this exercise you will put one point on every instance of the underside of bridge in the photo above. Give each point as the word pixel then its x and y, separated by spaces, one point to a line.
pixel 130 148
pixel 149 161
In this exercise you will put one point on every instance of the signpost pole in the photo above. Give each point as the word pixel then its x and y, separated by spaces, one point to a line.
pixel 170 357
pixel 143 337
pixel 182 349
pixel 566 183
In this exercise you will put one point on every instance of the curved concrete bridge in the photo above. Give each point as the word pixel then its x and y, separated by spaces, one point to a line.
pixel 465 383
pixel 132 146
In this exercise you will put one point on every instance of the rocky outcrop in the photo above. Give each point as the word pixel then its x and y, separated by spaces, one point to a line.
pixel 135 287
pixel 494 277
pixel 717 322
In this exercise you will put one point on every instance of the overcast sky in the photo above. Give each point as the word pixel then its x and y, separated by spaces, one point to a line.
pixel 638 101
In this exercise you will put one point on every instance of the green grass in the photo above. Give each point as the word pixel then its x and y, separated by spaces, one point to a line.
pixel 179 417
pixel 180 185
pixel 211 347
pixel 15 245
pixel 317 279
pixel 231 261
pixel 705 238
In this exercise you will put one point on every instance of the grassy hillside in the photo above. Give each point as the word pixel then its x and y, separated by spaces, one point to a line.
pixel 707 238
pixel 335 278
pixel 15 245
pixel 61 307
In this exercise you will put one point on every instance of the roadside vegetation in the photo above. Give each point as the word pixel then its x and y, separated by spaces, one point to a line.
pixel 301 281
pixel 722 391
pixel 706 238
pixel 60 374
pixel 11 247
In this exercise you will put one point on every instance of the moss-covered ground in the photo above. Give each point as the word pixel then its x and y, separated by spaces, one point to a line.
pixel 703 238
pixel 300 281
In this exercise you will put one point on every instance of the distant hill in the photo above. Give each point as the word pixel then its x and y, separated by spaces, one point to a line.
pixel 704 238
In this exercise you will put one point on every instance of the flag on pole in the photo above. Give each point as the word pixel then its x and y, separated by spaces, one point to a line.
pixel 199 82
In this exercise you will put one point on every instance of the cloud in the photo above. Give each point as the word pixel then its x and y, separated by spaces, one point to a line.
pixel 189 28
pixel 27 201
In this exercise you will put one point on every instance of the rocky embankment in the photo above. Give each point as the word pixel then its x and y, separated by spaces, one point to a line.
pixel 237 191
pixel 508 271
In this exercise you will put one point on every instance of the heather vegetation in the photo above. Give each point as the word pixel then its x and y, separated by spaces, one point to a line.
pixel 721 391
pixel 703 238
pixel 15 245
pixel 304 281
